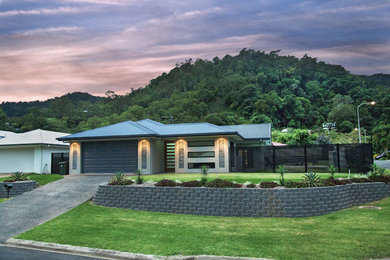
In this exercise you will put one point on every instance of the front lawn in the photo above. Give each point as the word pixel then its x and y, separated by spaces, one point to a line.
pixel 2 200
pixel 237 177
pixel 349 234
pixel 42 179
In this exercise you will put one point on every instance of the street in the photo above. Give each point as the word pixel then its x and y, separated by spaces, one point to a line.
pixel 16 253
pixel 384 164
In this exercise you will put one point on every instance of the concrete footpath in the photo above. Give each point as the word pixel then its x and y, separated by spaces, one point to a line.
pixel 36 207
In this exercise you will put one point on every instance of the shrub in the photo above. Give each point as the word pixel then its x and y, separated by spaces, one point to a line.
pixel 293 184
pixel 122 182
pixel 218 183
pixel 328 182
pixel 372 175
pixel 332 170
pixel 359 180
pixel 166 183
pixel 191 184
pixel 139 180
pixel 18 176
pixel 204 171
pixel 345 127
pixel 251 185
pixel 342 181
pixel 119 178
pixel 311 179
pixel 268 184
pixel 378 178
pixel 281 170
pixel 380 171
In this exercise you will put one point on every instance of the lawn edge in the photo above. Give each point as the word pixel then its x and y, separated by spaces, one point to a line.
pixel 104 253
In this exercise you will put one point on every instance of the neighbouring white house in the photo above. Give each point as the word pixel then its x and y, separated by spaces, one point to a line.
pixel 31 152
pixel 3 134
pixel 154 147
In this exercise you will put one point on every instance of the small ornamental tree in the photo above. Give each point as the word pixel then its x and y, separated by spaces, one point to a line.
pixel 204 171
pixel 139 180
pixel 282 171
pixel 332 170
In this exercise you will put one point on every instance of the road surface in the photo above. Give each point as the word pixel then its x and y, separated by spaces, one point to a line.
pixel 17 253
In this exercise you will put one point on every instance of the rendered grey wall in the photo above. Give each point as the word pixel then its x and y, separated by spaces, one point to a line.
pixel 18 188
pixel 241 202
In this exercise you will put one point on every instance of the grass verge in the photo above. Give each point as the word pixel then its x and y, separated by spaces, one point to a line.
pixel 42 179
pixel 2 200
pixel 237 177
pixel 349 234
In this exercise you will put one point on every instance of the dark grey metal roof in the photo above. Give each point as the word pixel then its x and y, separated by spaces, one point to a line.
pixel 253 131
pixel 150 128
pixel 124 129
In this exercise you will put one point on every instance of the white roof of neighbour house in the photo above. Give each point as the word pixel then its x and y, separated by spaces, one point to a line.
pixel 278 144
pixel 5 133
pixel 35 137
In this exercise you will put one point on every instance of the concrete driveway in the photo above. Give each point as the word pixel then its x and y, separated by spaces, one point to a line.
pixel 384 164
pixel 33 208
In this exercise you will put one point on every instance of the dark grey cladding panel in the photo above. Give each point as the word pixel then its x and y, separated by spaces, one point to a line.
pixel 109 156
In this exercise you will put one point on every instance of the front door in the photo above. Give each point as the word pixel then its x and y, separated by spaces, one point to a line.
pixel 169 156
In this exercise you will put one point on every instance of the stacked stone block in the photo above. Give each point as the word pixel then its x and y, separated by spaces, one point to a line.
pixel 243 202
pixel 18 188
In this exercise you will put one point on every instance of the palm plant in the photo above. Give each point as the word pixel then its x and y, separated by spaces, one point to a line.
pixel 18 176
pixel 204 171
pixel 332 170
pixel 139 180
pixel 379 170
pixel 282 170
pixel 311 179
pixel 118 177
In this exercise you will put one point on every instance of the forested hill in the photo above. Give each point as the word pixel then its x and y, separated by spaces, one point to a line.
pixel 252 87
pixel 13 109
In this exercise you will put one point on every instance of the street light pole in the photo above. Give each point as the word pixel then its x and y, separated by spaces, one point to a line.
pixel 358 117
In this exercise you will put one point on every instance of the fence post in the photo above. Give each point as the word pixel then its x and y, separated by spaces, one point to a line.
pixel 338 157
pixel 305 158
pixel 273 159
pixel 371 153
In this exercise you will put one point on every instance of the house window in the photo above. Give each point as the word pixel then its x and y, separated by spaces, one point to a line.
pixel 144 154
pixel 181 154
pixel 198 165
pixel 208 154
pixel 221 148
pixel 74 161
pixel 200 143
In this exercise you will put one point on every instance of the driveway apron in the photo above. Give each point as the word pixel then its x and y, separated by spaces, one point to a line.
pixel 36 207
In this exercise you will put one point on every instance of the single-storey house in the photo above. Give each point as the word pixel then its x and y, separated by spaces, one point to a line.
pixel 3 134
pixel 154 147
pixel 31 151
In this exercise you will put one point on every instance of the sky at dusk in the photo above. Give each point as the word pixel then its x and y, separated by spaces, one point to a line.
pixel 52 47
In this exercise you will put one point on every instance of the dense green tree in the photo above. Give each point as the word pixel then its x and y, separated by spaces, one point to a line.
pixel 341 113
pixel 3 119
pixel 381 137
pixel 345 127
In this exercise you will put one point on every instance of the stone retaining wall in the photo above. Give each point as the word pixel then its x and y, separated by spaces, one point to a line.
pixel 18 188
pixel 242 202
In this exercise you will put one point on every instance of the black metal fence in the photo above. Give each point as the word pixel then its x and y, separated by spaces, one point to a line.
pixel 316 158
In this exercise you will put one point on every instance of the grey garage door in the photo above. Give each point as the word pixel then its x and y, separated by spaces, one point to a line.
pixel 109 156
